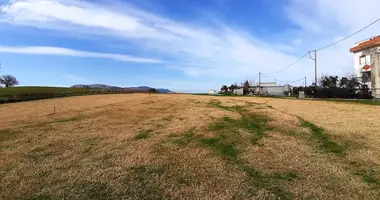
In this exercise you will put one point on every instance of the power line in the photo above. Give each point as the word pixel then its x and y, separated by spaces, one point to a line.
pixel 284 81
pixel 336 42
pixel 319 49
pixel 295 62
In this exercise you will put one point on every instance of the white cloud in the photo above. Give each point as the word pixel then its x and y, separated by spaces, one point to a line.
pixel 212 51
pixel 324 21
pixel 42 50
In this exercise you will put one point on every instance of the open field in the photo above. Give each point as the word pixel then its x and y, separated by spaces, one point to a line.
pixel 130 146
pixel 16 94
pixel 29 93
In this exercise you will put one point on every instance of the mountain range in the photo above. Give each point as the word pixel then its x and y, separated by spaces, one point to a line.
pixel 108 87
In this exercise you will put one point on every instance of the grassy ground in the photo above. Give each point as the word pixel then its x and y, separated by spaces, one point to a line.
pixel 188 147
pixel 17 94
pixel 19 90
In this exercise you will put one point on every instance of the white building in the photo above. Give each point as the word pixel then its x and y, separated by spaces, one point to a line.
pixel 212 92
pixel 268 84
pixel 364 62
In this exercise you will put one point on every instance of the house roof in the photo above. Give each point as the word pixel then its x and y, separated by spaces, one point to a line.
pixel 367 44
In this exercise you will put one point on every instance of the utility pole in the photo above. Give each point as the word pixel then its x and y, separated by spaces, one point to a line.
pixel 305 81
pixel 259 83
pixel 259 79
pixel 315 66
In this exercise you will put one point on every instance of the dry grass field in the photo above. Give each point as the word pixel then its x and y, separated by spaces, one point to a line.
pixel 188 147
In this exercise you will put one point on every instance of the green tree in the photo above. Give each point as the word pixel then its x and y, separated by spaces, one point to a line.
pixel 246 87
pixel 8 81
pixel 349 82
pixel 224 88
pixel 329 81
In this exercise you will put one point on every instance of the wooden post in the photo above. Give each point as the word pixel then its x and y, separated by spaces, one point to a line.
pixel 315 65
pixel 54 109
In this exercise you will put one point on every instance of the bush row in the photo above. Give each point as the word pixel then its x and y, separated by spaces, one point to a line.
pixel 341 93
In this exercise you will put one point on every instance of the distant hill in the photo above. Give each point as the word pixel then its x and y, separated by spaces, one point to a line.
pixel 163 91
pixel 108 87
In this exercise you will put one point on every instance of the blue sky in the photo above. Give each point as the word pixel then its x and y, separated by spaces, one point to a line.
pixel 183 45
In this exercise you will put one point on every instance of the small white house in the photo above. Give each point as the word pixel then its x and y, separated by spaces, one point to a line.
pixel 238 91
pixel 268 84
pixel 212 92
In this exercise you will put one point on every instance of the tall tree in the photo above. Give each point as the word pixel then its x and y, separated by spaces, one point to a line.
pixel 246 87
pixel 349 82
pixel 8 81
pixel 328 81
pixel 224 88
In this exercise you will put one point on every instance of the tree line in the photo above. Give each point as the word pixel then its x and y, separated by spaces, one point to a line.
pixel 337 87
pixel 228 90
pixel 328 87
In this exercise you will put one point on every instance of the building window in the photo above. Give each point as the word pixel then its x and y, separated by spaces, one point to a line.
pixel 368 59
pixel 363 60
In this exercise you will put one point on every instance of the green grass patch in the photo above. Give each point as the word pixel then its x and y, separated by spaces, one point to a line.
pixel 7 134
pixel 370 178
pixel 91 141
pixel 219 144
pixel 287 176
pixel 36 89
pixel 185 139
pixel 319 134
pixel 143 134
pixel 96 190
pixel 168 118
pixel 258 180
pixel 145 182
pixel 38 197
pixel 70 119
pixel 235 108
pixel 42 153
pixel 252 123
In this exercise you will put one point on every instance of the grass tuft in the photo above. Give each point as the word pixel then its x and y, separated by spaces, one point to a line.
pixel 70 119
pixel 95 190
pixel 225 149
pixel 259 180
pixel 319 134
pixel 235 108
pixel 253 123
pixel 370 178
pixel 38 197
pixel 185 139
pixel 7 134
pixel 143 135
pixel 288 176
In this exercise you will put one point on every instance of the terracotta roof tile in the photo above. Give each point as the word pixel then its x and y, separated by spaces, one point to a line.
pixel 367 44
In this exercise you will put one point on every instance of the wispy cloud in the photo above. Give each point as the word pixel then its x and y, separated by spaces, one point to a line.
pixel 211 50
pixel 43 50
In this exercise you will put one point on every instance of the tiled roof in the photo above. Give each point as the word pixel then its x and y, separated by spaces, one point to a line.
pixel 367 44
